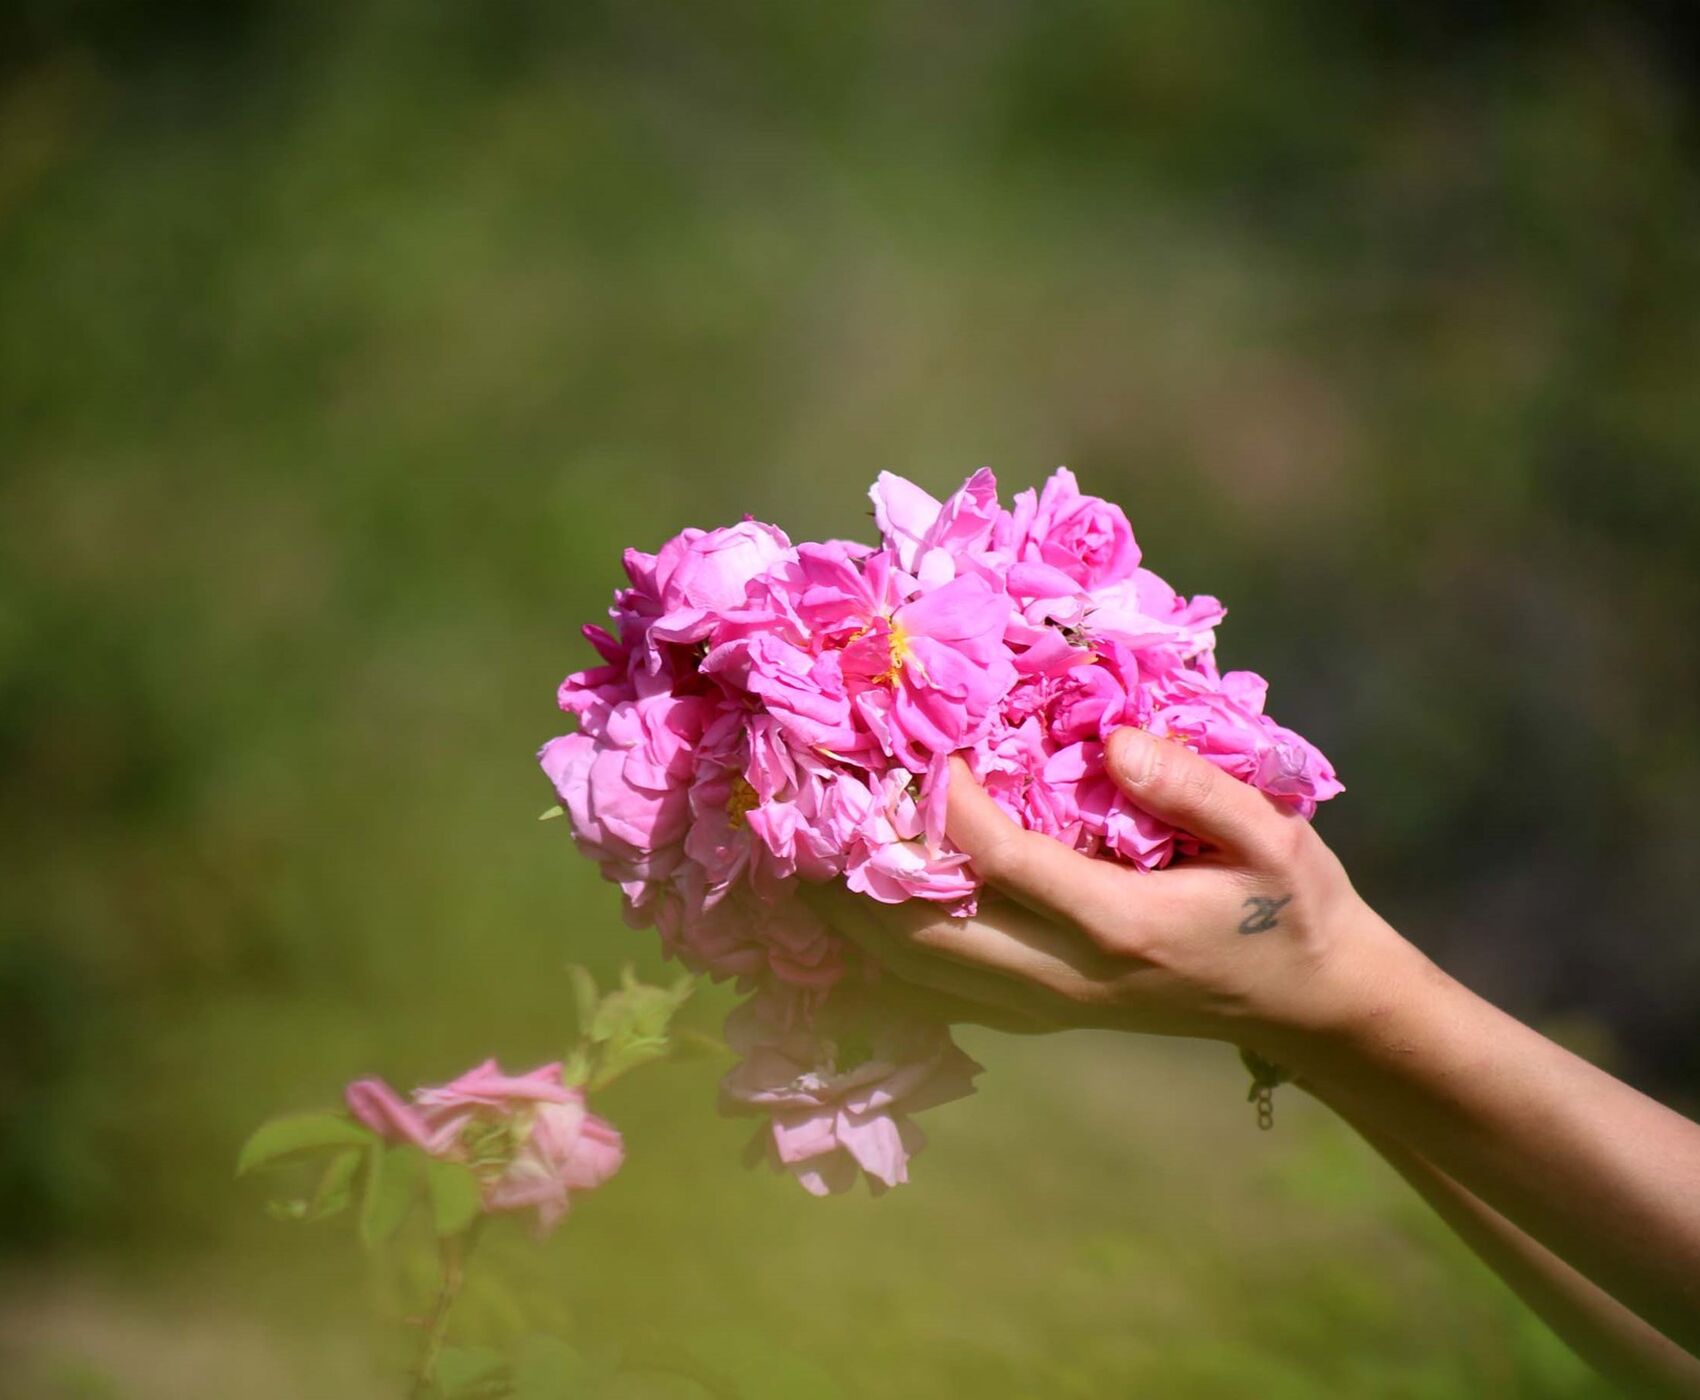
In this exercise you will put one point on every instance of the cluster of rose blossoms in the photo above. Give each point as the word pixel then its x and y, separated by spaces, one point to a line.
pixel 528 1138
pixel 768 713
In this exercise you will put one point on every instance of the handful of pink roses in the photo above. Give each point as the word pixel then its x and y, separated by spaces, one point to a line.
pixel 767 713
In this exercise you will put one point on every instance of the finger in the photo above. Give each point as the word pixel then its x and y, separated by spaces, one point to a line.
pixel 1109 903
pixel 959 1010
pixel 917 943
pixel 1005 956
pixel 1009 940
pixel 1170 781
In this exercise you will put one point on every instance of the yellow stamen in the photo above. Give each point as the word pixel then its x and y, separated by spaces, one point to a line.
pixel 900 653
pixel 743 799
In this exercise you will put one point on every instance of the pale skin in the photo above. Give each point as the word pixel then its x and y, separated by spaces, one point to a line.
pixel 1582 1192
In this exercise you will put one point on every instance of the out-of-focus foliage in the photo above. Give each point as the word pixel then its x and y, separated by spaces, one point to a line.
pixel 341 349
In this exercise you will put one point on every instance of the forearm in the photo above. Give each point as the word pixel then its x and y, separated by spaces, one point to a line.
pixel 1603 1176
pixel 1611 1338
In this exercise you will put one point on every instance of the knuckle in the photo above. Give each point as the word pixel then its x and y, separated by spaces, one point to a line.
pixel 1296 837
pixel 1113 936
pixel 1121 911
pixel 1143 949
pixel 1283 838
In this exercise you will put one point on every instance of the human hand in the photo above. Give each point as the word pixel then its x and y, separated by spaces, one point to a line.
pixel 1579 1188
pixel 1260 940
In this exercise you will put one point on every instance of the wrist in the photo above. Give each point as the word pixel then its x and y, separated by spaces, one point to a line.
pixel 1368 978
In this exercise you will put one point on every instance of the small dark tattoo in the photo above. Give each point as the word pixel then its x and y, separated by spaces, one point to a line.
pixel 1263 912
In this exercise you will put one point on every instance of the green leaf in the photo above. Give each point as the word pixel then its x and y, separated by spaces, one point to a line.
pixel 694 1045
pixel 335 1191
pixel 392 1181
pixel 631 1025
pixel 552 813
pixel 333 1194
pixel 456 1198
pixel 299 1132
pixel 624 1057
pixel 585 996
pixel 575 1067
pixel 638 1011
pixel 468 1371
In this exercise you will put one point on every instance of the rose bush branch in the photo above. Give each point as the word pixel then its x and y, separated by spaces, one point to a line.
pixel 449 1157
pixel 454 1251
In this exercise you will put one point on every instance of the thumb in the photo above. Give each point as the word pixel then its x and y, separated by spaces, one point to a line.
pixel 1170 781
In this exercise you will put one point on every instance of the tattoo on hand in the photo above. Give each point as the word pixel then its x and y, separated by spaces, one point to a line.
pixel 1263 912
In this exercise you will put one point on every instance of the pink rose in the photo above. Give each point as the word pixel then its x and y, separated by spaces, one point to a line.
pixel 803 691
pixel 701 575
pixel 1083 793
pixel 1084 537
pixel 811 828
pixel 626 789
pixel 751 939
pixel 930 540
pixel 528 1138
pixel 1226 725
pixel 928 679
pixel 898 852
pixel 838 1110
pixel 567 1148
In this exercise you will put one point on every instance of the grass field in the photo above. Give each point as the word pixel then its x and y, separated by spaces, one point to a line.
pixel 1103 1219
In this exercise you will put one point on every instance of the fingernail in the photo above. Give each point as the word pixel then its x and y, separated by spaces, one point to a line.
pixel 1135 753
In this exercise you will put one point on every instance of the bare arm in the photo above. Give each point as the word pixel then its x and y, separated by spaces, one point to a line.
pixel 1602 1175
pixel 1263 942
pixel 1613 1340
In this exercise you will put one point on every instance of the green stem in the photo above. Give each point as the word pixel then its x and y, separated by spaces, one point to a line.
pixel 455 1250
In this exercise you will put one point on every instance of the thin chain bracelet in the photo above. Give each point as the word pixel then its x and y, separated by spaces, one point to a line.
pixel 1265 1076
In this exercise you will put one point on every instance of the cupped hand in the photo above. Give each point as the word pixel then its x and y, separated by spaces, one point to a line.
pixel 1257 940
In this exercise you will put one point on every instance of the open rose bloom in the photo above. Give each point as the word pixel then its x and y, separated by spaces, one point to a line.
pixel 528 1138
pixel 765 713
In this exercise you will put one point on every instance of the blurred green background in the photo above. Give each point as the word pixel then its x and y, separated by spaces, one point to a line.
pixel 342 348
